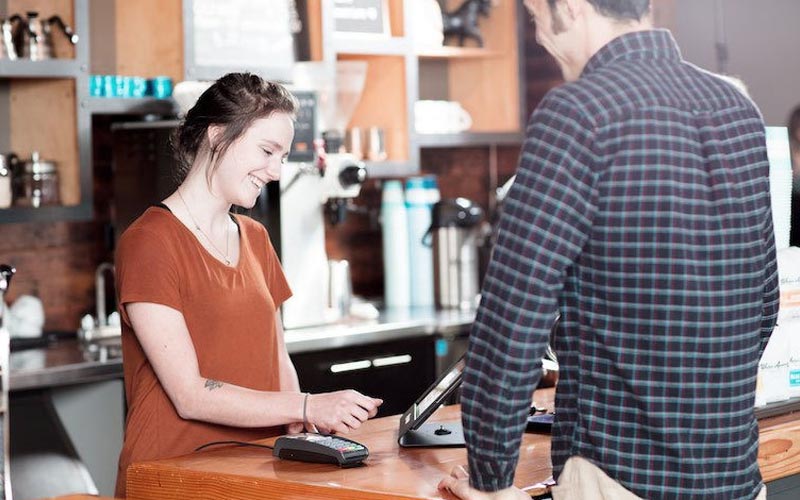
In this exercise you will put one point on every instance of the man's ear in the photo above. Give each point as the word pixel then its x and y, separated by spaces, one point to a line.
pixel 572 9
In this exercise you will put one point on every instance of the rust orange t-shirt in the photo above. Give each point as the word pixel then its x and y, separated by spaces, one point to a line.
pixel 230 312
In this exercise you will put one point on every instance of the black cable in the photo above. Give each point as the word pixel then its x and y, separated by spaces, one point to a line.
pixel 238 443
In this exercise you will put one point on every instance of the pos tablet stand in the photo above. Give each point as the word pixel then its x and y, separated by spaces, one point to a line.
pixel 414 432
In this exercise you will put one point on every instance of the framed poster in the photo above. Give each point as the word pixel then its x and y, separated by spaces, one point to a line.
pixel 361 17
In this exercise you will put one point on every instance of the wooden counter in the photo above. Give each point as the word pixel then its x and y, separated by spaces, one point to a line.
pixel 779 446
pixel 391 472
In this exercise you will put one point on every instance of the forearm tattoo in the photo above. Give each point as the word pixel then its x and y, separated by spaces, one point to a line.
pixel 213 384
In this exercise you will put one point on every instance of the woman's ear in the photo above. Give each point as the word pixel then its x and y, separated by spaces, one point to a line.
pixel 213 134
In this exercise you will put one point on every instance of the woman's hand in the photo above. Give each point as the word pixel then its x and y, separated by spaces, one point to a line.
pixel 341 411
pixel 295 428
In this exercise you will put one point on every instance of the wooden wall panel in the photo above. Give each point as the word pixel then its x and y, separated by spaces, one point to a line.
pixel 43 118
pixel 383 102
pixel 396 14
pixel 488 88
pixel 150 38
pixel 314 28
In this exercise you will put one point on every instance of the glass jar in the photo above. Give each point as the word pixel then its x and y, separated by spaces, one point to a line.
pixel 36 183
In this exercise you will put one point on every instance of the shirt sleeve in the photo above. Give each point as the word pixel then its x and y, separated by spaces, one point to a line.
pixel 145 271
pixel 276 279
pixel 545 223
pixel 771 281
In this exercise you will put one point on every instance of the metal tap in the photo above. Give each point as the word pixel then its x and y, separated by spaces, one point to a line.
pixel 100 292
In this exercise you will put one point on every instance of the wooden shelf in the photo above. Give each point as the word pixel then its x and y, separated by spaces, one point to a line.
pixel 394 46
pixel 51 68
pixel 129 106
pixel 468 139
pixel 449 52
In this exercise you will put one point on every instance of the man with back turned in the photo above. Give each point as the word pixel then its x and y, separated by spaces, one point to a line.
pixel 641 213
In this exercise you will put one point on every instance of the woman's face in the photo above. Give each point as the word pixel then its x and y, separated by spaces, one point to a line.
pixel 253 160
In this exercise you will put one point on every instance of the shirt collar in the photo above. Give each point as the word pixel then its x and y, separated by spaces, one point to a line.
pixel 636 46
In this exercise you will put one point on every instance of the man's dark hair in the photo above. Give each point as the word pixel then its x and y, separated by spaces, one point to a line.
pixel 621 10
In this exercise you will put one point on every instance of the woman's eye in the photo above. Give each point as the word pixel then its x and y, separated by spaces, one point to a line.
pixel 284 159
pixel 267 152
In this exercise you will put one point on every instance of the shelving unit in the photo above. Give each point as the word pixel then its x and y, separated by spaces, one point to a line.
pixel 485 80
pixel 41 101
pixel 45 105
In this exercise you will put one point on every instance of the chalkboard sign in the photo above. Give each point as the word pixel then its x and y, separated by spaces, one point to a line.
pixel 238 35
pixel 361 17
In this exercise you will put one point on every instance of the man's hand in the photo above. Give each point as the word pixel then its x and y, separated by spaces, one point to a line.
pixel 458 484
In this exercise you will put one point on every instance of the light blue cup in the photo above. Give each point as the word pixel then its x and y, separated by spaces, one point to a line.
pixel 96 86
pixel 138 86
pixel 161 87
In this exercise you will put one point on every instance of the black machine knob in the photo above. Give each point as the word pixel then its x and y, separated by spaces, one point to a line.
pixel 352 175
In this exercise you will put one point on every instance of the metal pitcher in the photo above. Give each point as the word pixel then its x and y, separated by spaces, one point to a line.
pixel 7 28
pixel 34 39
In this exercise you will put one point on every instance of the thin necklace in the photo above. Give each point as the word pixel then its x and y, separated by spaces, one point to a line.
pixel 197 226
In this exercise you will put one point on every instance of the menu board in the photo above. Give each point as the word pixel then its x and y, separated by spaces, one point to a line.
pixel 368 17
pixel 243 34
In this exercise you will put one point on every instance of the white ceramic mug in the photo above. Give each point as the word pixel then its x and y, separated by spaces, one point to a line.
pixel 440 117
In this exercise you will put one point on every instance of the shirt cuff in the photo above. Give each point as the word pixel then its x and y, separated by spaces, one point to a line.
pixel 491 474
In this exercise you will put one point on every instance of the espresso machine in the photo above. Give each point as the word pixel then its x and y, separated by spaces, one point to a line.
pixel 311 193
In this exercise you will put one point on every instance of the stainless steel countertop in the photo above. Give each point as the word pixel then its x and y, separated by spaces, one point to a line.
pixel 67 362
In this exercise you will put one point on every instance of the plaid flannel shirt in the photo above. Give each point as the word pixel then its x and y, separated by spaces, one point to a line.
pixel 640 212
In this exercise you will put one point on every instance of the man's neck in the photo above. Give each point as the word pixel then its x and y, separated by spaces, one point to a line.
pixel 599 33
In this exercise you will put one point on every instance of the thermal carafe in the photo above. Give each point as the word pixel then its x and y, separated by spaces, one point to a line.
pixel 455 233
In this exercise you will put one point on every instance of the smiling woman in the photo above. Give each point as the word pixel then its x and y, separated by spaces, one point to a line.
pixel 199 291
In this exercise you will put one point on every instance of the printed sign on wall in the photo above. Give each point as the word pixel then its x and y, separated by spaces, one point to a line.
pixel 362 17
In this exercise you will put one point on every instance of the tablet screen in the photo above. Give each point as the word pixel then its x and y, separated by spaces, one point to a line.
pixel 432 398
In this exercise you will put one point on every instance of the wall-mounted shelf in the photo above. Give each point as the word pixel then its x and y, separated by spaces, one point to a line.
pixel 394 46
pixel 484 80
pixel 129 106
pixel 467 139
pixel 448 52
pixel 41 107
pixel 51 68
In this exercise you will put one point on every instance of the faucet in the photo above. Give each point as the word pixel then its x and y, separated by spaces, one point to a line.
pixel 6 272
pixel 100 292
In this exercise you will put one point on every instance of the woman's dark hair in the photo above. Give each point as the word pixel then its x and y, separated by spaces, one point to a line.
pixel 794 124
pixel 621 10
pixel 233 102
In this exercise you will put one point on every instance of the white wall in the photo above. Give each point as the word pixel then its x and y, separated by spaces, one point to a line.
pixel 763 40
